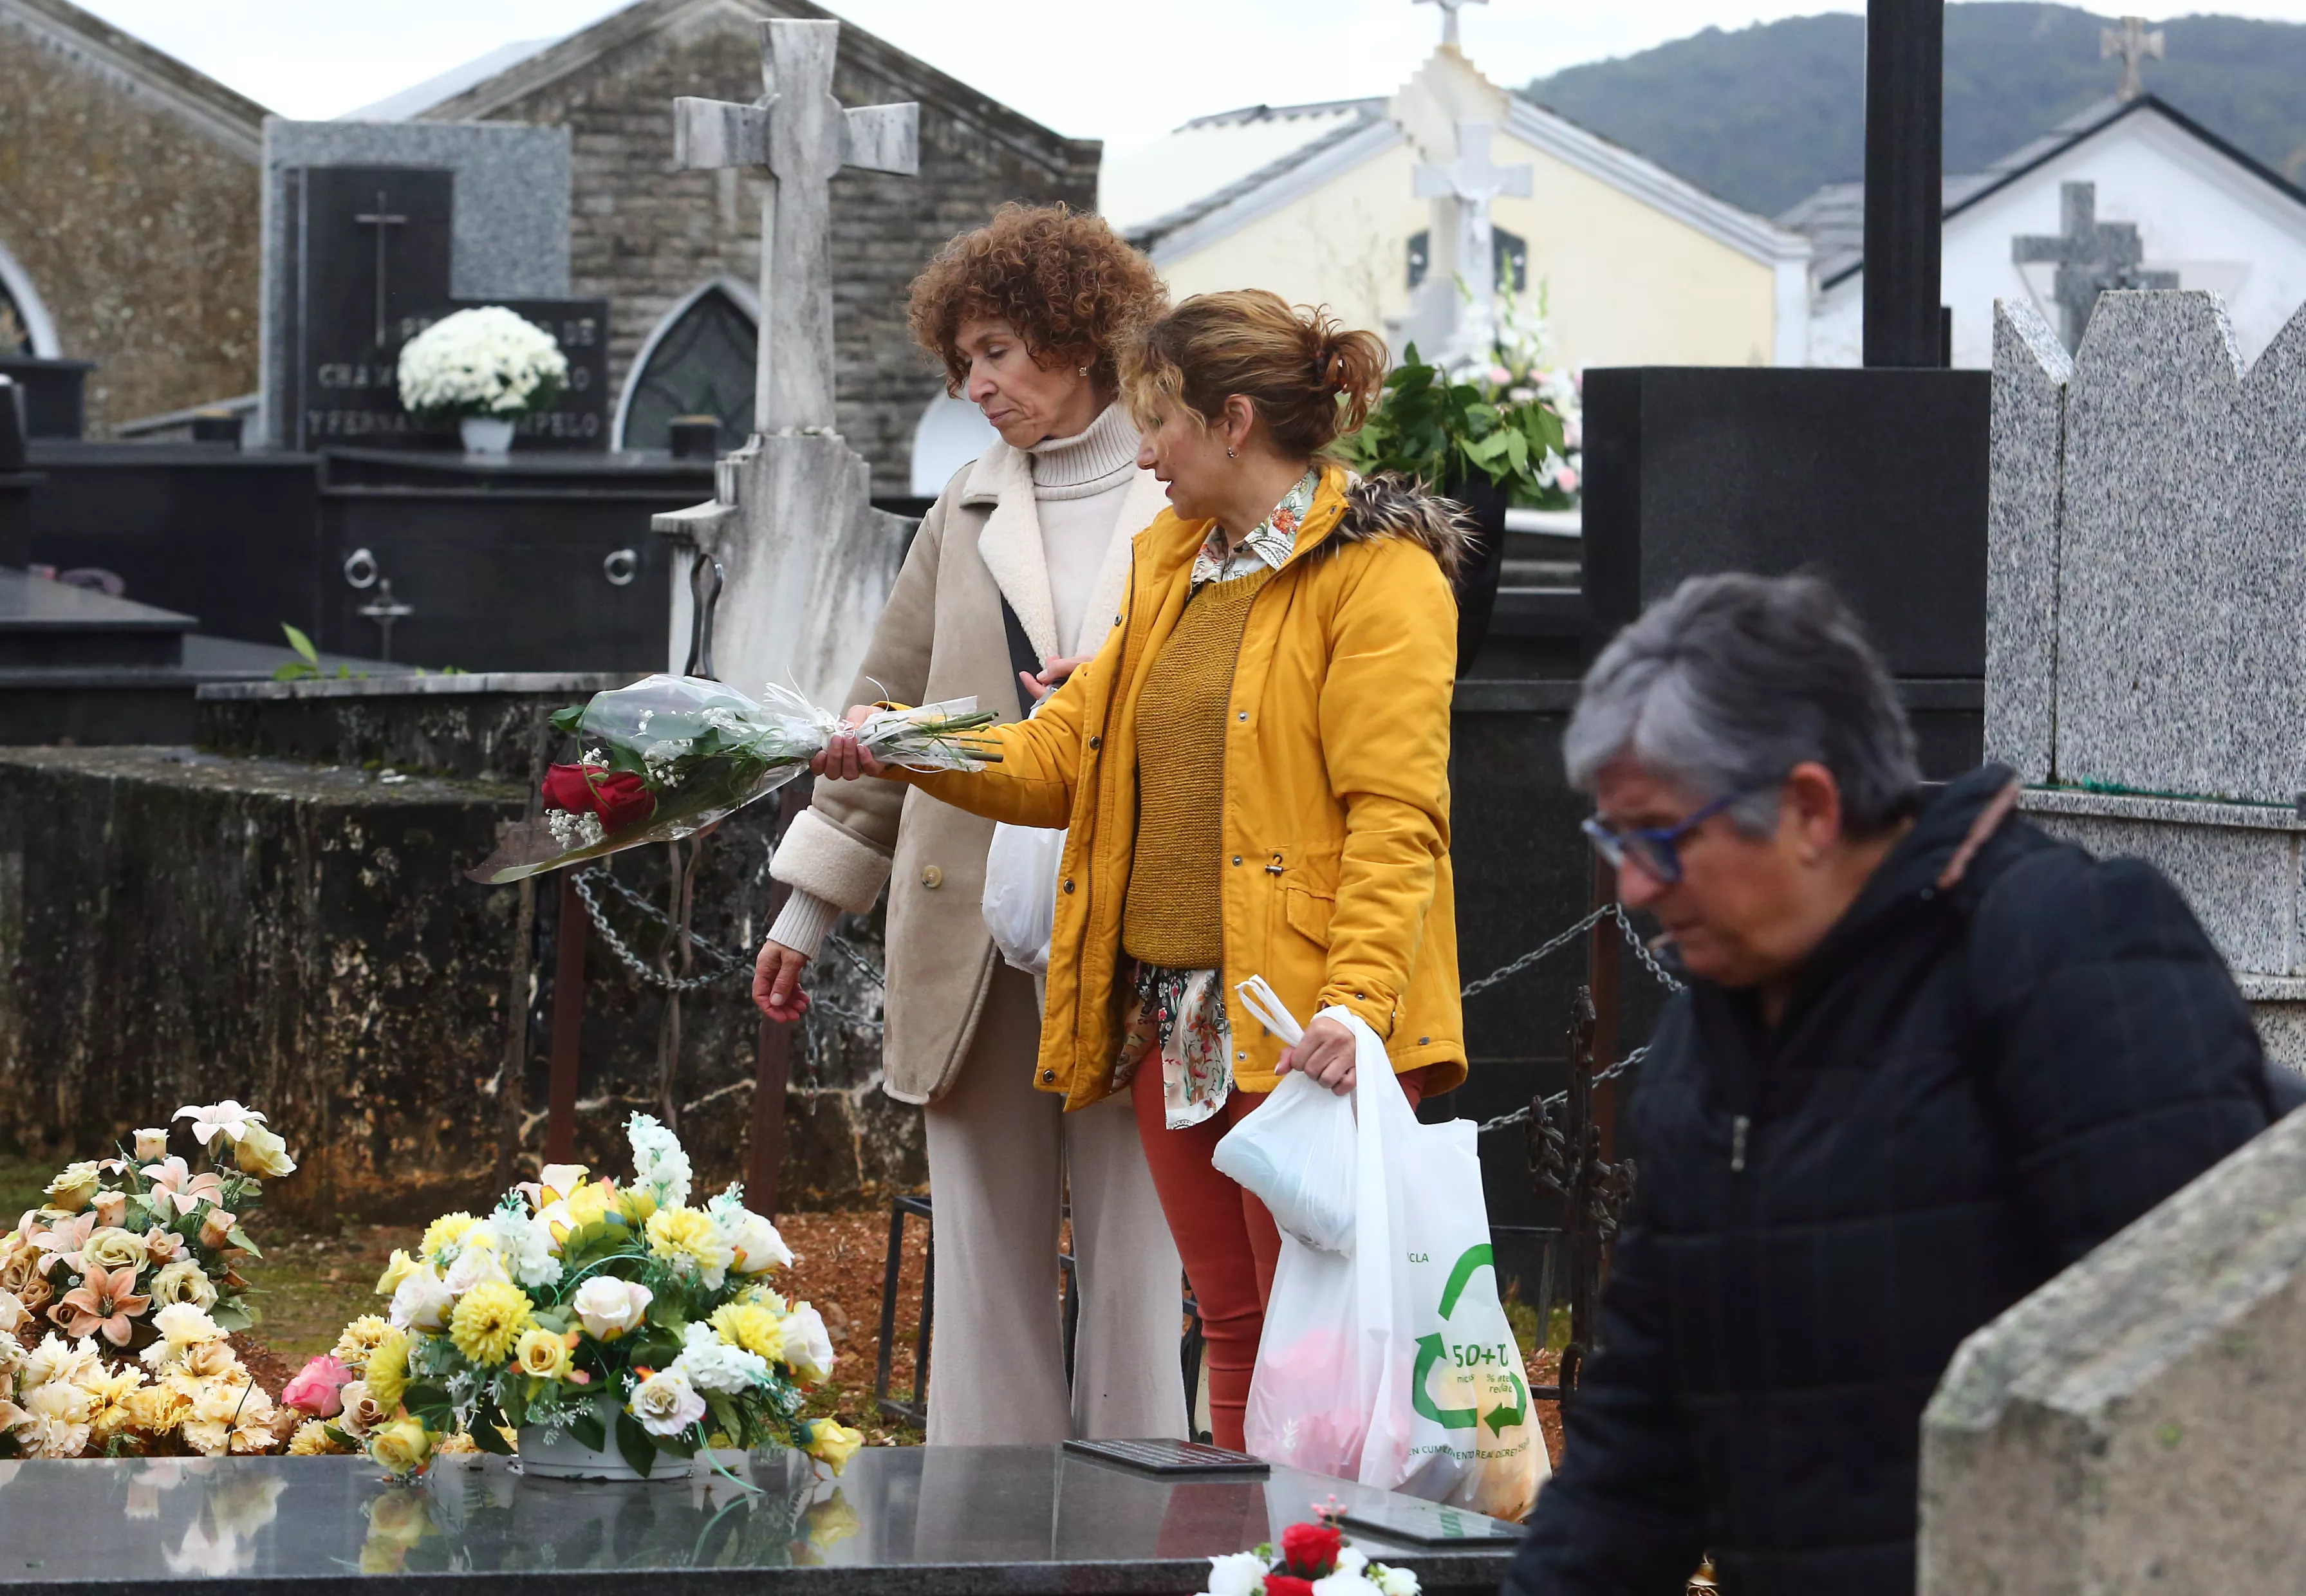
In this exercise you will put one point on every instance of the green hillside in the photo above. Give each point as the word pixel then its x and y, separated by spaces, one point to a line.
pixel 1763 115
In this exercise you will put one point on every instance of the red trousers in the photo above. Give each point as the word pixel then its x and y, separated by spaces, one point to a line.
pixel 1227 1240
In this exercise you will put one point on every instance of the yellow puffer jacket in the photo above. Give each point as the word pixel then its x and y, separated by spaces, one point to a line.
pixel 1336 789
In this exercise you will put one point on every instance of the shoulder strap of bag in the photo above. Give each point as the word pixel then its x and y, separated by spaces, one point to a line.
pixel 1022 658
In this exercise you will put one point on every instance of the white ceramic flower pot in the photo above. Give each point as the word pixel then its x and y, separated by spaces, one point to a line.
pixel 556 1455
pixel 485 434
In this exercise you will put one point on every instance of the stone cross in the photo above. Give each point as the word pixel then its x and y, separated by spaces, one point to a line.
pixel 382 220
pixel 1449 9
pixel 799 137
pixel 1462 192
pixel 2133 44
pixel 2091 256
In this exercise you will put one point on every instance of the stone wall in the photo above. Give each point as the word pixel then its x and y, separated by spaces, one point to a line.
pixel 644 235
pixel 177 925
pixel 128 194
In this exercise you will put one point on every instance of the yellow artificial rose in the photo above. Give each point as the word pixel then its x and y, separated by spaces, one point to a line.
pixel 111 1248
pixel 259 1152
pixel 76 1187
pixel 151 1145
pixel 359 1339
pixel 685 1239
pixel 830 1521
pixel 487 1320
pixel 183 1281
pixel 439 1234
pixel 834 1442
pixel 386 1374
pixel 542 1354
pixel 312 1440
pixel 751 1327
pixel 401 1447
pixel 396 1270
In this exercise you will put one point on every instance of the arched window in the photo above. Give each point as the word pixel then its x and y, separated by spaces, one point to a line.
pixel 24 325
pixel 950 434
pixel 699 360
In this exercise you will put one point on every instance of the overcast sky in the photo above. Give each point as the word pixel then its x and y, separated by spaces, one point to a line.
pixel 1088 68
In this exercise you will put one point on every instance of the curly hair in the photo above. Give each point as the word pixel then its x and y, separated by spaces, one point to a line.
pixel 1311 377
pixel 1063 282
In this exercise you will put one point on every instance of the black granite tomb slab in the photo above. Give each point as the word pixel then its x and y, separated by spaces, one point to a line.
pixel 1876 479
pixel 930 1520
pixel 47 624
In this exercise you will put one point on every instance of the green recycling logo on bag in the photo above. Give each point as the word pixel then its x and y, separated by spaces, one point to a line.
pixel 1470 1369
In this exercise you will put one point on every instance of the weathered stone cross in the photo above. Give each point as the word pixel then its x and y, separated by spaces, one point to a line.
pixel 1467 186
pixel 799 136
pixel 1449 17
pixel 2091 256
pixel 2134 44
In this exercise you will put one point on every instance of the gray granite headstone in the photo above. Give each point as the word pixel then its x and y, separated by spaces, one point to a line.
pixel 2181 594
pixel 2132 1426
pixel 507 233
pixel 2030 374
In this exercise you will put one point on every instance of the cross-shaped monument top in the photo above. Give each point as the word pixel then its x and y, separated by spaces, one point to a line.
pixel 1463 192
pixel 2091 256
pixel 2135 44
pixel 799 137
pixel 1449 9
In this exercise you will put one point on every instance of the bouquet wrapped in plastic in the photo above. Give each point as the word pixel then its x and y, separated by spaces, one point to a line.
pixel 669 756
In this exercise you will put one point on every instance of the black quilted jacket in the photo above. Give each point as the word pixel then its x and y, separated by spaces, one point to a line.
pixel 1972 1087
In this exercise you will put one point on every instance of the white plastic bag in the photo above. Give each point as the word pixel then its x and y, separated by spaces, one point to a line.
pixel 1020 893
pixel 1296 1153
pixel 1392 1363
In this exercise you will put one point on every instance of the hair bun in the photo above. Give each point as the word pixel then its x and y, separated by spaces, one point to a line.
pixel 1335 376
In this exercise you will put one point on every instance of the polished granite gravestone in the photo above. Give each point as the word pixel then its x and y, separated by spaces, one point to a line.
pixel 933 1521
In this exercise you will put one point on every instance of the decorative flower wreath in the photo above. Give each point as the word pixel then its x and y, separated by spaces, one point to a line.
pixel 1314 1560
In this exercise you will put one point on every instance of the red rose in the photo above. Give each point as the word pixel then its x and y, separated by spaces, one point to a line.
pixel 618 798
pixel 1287 1584
pixel 1310 1550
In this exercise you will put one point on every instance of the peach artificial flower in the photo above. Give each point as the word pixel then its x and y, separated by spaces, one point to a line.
pixel 216 1228
pixel 174 1179
pixel 111 1208
pixel 105 1303
pixel 152 1144
pixel 164 1246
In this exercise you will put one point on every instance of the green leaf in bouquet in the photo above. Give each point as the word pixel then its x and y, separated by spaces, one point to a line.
pixel 634 1445
pixel 568 720
pixel 683 1445
pixel 555 1319
pixel 239 1237
pixel 485 1432
pixel 428 1401
pixel 238 1314
pixel 586 1431
pixel 725 1416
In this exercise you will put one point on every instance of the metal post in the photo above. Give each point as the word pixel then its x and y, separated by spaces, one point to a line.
pixel 1905 185
pixel 771 1066
pixel 1602 944
pixel 568 1024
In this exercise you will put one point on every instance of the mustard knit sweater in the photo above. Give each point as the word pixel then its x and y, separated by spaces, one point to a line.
pixel 1174 913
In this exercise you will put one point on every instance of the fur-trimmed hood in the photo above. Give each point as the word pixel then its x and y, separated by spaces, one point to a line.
pixel 1389 505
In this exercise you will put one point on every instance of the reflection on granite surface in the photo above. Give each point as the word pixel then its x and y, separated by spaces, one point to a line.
pixel 127 1522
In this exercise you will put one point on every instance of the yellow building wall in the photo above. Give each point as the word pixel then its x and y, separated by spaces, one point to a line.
pixel 1626 283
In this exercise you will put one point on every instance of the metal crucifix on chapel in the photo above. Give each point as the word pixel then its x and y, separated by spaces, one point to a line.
pixel 2135 44
pixel 799 138
pixel 1449 9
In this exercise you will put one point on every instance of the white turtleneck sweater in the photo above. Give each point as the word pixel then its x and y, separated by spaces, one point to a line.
pixel 1079 484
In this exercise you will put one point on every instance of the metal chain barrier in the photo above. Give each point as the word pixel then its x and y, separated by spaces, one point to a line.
pixel 730 969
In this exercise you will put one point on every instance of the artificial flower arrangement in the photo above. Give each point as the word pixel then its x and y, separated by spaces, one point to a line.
pixel 117 1296
pixel 616 1316
pixel 669 756
pixel 485 361
pixel 1314 1560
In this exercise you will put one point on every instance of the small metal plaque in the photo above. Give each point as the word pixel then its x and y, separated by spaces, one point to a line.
pixel 1427 1523
pixel 1173 1458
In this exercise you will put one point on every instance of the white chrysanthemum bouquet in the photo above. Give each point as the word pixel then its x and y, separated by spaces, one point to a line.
pixel 618 1316
pixel 488 362
pixel 118 1293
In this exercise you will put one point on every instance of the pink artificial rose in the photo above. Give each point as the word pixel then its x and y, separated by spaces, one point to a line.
pixel 318 1388
pixel 1565 479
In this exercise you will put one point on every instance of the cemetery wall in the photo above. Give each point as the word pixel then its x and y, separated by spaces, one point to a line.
pixel 180 926
pixel 643 236
pixel 129 196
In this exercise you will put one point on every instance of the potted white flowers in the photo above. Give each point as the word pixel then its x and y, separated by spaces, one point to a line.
pixel 485 368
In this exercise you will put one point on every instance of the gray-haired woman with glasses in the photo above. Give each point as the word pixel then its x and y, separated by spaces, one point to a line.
pixel 1927 1057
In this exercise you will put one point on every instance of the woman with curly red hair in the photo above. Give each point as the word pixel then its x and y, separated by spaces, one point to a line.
pixel 1022 561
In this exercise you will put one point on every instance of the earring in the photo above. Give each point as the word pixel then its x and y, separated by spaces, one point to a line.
pixel 1084 370
pixel 1229 454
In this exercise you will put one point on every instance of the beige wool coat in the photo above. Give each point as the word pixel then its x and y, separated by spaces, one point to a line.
pixel 942 636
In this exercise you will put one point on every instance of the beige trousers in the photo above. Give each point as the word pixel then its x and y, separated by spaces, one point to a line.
pixel 1002 1158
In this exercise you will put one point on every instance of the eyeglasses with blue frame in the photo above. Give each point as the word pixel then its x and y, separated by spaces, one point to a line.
pixel 1655 849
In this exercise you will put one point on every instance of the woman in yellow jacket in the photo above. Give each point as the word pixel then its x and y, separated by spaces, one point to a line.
pixel 1254 769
